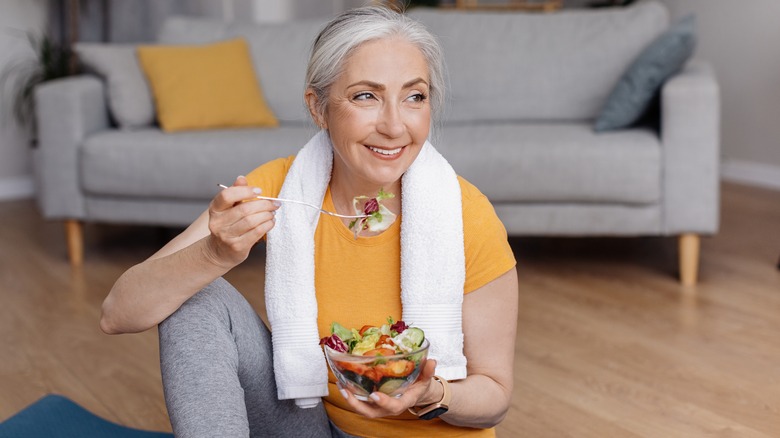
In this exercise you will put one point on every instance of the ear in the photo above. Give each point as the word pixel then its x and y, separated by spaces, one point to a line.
pixel 312 103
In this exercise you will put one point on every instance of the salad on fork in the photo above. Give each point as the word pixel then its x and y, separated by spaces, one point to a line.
pixel 369 215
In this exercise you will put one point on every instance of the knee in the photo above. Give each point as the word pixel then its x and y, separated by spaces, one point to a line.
pixel 207 305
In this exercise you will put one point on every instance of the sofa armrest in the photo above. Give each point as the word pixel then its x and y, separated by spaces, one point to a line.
pixel 67 111
pixel 690 135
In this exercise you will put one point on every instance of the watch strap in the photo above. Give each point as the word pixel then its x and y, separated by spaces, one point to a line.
pixel 433 410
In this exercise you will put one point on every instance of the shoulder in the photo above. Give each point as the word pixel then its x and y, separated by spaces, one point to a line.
pixel 476 206
pixel 469 192
pixel 486 244
pixel 273 167
pixel 270 175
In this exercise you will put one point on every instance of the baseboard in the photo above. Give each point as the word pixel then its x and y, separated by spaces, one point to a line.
pixel 751 173
pixel 21 187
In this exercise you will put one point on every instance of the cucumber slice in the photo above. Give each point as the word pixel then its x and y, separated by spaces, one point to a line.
pixel 359 382
pixel 409 340
pixel 391 385
pixel 415 335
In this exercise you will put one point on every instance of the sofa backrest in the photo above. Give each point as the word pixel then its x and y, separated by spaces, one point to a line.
pixel 555 66
pixel 280 53
pixel 501 66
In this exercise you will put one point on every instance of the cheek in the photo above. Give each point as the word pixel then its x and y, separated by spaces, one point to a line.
pixel 347 128
pixel 420 123
pixel 350 121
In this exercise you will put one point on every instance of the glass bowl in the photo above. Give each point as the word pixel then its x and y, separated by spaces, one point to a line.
pixel 363 375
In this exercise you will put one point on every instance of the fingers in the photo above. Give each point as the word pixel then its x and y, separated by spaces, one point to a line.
pixel 379 404
pixel 429 369
pixel 383 405
pixel 244 223
pixel 243 220
pixel 236 226
pixel 230 196
pixel 231 239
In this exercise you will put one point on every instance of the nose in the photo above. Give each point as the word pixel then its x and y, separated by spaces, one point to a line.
pixel 389 121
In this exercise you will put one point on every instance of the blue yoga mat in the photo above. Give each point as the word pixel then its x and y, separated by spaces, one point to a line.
pixel 55 416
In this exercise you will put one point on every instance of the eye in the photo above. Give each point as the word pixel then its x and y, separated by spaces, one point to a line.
pixel 418 97
pixel 363 96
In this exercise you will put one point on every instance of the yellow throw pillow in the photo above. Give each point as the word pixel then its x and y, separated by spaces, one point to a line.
pixel 205 86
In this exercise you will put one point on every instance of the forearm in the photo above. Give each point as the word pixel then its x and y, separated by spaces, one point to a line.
pixel 490 323
pixel 219 239
pixel 478 402
pixel 149 292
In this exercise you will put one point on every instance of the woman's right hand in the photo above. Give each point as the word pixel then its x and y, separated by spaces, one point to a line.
pixel 235 225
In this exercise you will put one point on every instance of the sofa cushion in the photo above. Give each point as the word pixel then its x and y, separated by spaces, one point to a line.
pixel 556 162
pixel 519 66
pixel 186 165
pixel 205 86
pixel 642 82
pixel 515 163
pixel 129 97
pixel 280 53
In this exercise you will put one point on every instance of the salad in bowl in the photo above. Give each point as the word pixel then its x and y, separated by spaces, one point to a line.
pixel 385 359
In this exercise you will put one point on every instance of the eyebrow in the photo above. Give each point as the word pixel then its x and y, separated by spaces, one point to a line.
pixel 379 86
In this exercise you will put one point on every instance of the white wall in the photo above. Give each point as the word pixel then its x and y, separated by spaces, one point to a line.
pixel 281 10
pixel 16 18
pixel 740 39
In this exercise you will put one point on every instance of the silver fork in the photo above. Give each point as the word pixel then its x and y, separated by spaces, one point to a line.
pixel 306 204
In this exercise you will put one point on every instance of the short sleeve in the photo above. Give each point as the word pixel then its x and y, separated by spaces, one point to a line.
pixel 270 176
pixel 487 250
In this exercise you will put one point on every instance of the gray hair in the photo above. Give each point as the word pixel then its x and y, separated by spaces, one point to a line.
pixel 350 29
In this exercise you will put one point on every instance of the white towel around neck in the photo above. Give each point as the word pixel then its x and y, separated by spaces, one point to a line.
pixel 432 268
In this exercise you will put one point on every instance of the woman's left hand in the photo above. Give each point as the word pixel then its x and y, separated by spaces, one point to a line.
pixel 421 392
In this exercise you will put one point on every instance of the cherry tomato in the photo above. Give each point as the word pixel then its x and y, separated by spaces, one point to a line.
pixel 396 368
pixel 357 368
pixel 373 374
pixel 364 328
pixel 379 352
pixel 384 340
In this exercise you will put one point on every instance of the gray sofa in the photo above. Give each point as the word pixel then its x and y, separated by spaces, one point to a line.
pixel 524 91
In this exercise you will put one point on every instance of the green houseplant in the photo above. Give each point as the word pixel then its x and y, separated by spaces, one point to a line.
pixel 48 61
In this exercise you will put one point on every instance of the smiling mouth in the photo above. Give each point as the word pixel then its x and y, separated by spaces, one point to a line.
pixel 388 152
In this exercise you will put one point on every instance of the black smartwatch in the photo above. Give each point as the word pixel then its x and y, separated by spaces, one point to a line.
pixel 435 409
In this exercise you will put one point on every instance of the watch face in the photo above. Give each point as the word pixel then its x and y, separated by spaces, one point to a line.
pixel 434 413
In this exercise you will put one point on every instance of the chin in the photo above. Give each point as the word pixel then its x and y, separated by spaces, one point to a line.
pixel 386 177
pixel 384 183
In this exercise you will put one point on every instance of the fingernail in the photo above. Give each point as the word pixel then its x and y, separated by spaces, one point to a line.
pixel 257 190
pixel 374 396
pixel 277 203
pixel 344 393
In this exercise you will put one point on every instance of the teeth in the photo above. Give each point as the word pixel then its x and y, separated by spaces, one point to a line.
pixel 384 151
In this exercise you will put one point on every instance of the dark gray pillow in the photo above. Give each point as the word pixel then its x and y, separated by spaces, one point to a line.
pixel 642 81
pixel 129 97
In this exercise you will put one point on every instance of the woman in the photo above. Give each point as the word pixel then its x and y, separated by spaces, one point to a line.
pixel 373 82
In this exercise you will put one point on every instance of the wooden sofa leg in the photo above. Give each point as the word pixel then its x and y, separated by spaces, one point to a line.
pixel 75 238
pixel 689 258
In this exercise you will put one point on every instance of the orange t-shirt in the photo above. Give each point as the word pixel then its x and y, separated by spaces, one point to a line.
pixel 358 282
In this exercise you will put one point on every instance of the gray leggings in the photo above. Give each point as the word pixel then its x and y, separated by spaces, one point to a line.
pixel 217 372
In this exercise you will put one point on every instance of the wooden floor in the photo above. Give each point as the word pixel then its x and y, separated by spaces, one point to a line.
pixel 609 345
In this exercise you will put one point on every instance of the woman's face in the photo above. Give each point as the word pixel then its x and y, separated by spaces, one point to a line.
pixel 378 113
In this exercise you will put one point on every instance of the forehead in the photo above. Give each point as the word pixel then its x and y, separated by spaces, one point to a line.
pixel 388 58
